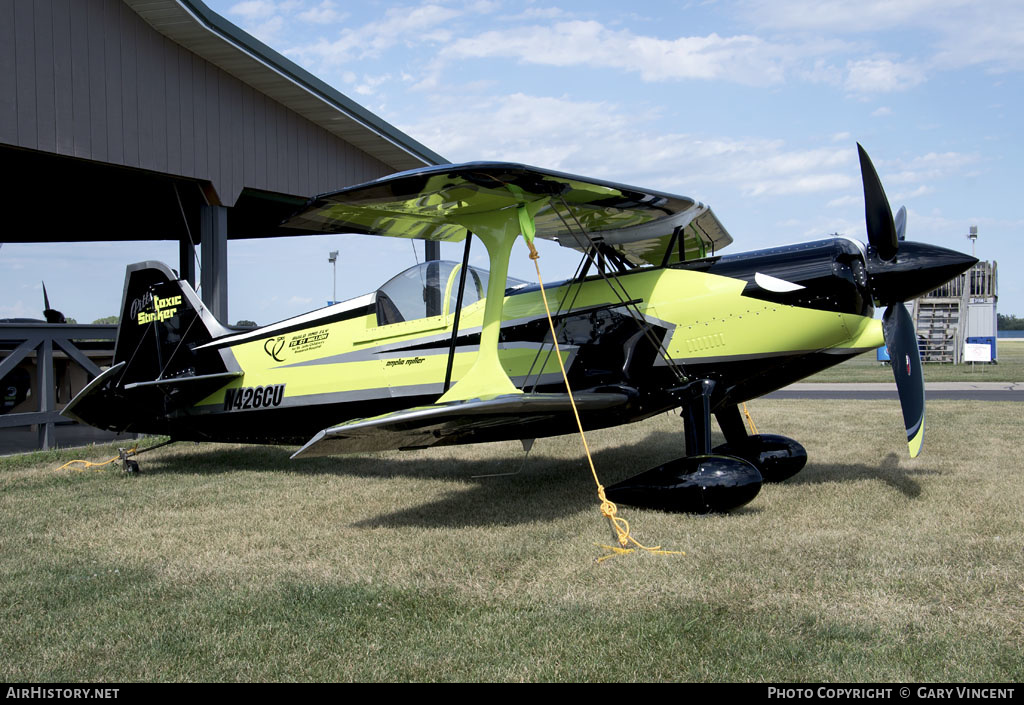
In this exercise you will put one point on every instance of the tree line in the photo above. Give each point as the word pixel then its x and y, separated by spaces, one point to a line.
pixel 1010 322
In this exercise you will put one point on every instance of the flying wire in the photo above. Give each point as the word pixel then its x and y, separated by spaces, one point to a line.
pixel 643 326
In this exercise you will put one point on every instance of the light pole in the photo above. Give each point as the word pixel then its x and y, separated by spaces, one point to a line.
pixel 332 257
pixel 972 235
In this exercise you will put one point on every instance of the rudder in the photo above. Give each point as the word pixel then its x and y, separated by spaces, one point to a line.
pixel 162 321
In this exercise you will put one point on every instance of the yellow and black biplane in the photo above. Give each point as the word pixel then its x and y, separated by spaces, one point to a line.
pixel 445 353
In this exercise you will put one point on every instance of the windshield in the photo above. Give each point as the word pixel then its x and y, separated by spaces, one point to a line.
pixel 420 291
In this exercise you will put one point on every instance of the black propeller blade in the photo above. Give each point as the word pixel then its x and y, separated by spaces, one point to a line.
pixel 877 213
pixel 905 358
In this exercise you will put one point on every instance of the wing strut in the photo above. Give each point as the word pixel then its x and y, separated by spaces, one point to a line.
pixel 498 231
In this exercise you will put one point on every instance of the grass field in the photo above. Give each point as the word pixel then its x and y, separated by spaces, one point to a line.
pixel 234 563
pixel 865 368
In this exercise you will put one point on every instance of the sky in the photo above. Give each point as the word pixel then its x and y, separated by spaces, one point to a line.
pixel 752 106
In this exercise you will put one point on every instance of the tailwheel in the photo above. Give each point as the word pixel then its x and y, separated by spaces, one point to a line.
pixel 696 484
pixel 131 467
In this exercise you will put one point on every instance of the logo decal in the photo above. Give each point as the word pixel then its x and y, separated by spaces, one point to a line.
pixel 306 341
pixel 273 347
pixel 140 303
pixel 907 359
pixel 163 309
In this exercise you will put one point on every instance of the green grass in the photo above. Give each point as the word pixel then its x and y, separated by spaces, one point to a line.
pixel 865 368
pixel 234 563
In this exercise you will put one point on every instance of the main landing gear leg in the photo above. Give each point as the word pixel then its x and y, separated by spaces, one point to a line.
pixel 730 420
pixel 696 400
pixel 699 483
pixel 776 457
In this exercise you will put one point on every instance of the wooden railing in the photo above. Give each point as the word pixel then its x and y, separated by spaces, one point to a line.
pixel 977 282
pixel 21 341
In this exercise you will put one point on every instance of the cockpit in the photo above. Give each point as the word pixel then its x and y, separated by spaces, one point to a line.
pixel 431 289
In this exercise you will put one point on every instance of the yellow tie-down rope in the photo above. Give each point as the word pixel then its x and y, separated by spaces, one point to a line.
pixel 619 525
pixel 750 420
pixel 88 464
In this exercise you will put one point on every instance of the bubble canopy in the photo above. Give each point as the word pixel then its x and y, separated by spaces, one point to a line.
pixel 432 289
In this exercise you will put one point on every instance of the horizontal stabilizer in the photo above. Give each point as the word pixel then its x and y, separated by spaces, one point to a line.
pixel 452 422
pixel 186 390
pixel 221 378
pixel 87 398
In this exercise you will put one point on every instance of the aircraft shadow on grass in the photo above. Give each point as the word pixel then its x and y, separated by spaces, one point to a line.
pixel 498 490
pixel 505 490
pixel 888 471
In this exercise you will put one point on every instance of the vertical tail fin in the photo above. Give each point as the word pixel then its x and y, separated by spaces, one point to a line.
pixel 162 321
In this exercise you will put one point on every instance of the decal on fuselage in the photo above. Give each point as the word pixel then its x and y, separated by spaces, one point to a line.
pixel 274 346
pixel 305 342
pixel 297 344
pixel 253 397
pixel 162 308
pixel 405 361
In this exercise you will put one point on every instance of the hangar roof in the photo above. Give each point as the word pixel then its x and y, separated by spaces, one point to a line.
pixel 197 28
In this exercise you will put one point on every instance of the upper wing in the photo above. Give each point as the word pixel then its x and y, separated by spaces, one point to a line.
pixel 428 203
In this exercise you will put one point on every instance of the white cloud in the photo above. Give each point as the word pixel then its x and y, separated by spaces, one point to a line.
pixel 324 13
pixel 848 16
pixel 254 9
pixel 744 59
pixel 882 76
pixel 998 43
pixel 19 309
pixel 268 31
pixel 922 190
pixel 882 111
pixel 927 167
pixel 800 184
pixel 537 13
pixel 956 33
pixel 426 23
pixel 369 84
pixel 599 139
pixel 845 201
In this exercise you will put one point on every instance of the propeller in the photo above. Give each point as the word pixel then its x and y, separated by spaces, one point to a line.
pixel 900 270
pixel 52 316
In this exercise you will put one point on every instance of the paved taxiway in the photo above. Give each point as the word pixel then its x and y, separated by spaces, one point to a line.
pixel 962 391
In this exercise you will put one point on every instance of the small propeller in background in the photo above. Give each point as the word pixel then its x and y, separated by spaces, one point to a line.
pixel 52 315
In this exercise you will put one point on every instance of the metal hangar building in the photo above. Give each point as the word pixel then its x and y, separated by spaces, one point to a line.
pixel 161 120
pixel 127 120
